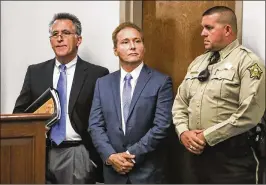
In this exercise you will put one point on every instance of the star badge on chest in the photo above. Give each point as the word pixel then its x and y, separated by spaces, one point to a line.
pixel 255 71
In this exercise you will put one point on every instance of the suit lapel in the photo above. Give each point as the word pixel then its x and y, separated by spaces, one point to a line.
pixel 46 76
pixel 78 80
pixel 143 78
pixel 49 74
pixel 116 94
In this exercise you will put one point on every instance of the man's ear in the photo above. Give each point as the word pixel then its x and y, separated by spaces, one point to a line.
pixel 228 30
pixel 79 40
pixel 115 51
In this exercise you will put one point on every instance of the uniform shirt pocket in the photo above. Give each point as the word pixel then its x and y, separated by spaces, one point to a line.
pixel 223 84
pixel 225 74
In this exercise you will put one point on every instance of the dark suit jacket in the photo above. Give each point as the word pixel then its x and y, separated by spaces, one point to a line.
pixel 146 127
pixel 40 76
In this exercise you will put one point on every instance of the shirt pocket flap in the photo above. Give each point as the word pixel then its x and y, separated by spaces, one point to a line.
pixel 191 75
pixel 224 74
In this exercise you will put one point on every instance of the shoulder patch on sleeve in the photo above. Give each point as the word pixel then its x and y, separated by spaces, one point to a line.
pixel 255 71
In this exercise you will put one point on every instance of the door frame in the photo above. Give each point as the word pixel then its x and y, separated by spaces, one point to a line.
pixel 132 11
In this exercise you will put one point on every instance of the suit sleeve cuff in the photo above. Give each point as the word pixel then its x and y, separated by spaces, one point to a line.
pixel 106 157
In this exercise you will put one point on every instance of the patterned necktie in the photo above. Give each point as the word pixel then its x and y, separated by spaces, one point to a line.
pixel 126 97
pixel 58 132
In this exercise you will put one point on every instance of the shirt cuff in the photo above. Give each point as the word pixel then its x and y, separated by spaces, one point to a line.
pixel 108 164
pixel 212 134
pixel 180 129
pixel 133 161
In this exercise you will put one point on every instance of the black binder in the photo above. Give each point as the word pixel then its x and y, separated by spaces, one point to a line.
pixel 48 102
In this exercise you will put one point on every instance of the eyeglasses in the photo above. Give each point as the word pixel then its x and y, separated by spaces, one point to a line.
pixel 63 34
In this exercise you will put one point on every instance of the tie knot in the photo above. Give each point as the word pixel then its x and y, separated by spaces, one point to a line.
pixel 128 77
pixel 215 57
pixel 62 68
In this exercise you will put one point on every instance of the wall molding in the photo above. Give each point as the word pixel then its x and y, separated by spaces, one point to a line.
pixel 131 11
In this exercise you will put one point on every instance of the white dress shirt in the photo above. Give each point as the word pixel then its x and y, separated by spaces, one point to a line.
pixel 70 70
pixel 135 74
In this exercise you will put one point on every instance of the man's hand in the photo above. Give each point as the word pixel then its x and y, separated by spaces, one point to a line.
pixel 193 143
pixel 201 137
pixel 121 162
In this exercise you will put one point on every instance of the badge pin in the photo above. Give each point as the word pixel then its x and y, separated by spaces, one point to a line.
pixel 228 66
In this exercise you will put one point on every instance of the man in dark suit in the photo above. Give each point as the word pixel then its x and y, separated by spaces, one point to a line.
pixel 131 114
pixel 72 158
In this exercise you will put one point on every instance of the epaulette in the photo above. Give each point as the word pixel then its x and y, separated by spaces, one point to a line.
pixel 250 53
pixel 245 49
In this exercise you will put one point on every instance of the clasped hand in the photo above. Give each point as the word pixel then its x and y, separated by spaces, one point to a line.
pixel 194 141
pixel 121 162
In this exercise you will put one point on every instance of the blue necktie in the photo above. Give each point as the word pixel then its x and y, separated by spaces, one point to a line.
pixel 126 96
pixel 58 132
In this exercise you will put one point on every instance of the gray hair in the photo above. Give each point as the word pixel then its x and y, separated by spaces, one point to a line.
pixel 73 18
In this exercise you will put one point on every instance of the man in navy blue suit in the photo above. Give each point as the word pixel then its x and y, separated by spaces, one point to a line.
pixel 131 114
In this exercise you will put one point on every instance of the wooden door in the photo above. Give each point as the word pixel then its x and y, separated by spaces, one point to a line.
pixel 172 38
pixel 172 34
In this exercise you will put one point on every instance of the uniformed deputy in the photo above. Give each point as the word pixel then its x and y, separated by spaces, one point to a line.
pixel 221 98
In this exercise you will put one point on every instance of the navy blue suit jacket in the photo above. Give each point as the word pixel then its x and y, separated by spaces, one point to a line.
pixel 146 127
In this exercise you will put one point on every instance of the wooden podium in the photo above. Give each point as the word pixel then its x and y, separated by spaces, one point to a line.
pixel 23 148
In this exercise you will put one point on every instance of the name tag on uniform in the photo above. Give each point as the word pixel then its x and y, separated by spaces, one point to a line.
pixel 194 72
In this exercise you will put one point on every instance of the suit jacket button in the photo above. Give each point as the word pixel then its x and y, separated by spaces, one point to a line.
pixel 120 128
pixel 124 145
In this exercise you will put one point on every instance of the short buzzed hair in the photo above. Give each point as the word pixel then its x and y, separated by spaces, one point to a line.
pixel 227 15
pixel 123 26
pixel 68 16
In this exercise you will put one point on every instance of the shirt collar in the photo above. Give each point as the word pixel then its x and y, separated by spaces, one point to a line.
pixel 69 64
pixel 228 49
pixel 135 73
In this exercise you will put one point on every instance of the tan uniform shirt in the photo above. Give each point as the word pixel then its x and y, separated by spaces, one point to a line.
pixel 229 103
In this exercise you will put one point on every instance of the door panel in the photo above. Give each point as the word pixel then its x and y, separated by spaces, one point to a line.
pixel 172 38
pixel 172 34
